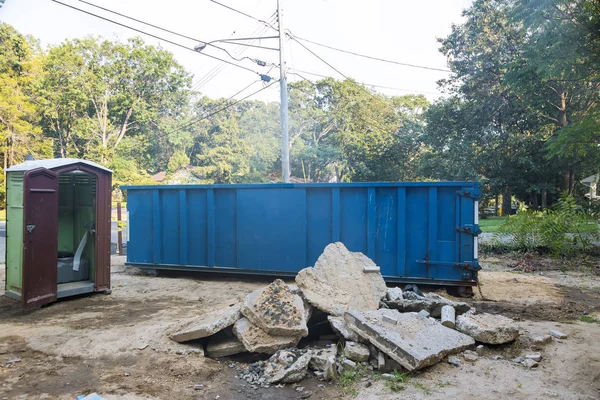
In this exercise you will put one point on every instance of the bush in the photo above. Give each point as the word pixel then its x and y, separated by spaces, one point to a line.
pixel 562 230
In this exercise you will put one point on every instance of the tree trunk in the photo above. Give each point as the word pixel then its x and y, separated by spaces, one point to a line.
pixel 506 201
pixel 544 199
pixel 534 201
pixel 496 206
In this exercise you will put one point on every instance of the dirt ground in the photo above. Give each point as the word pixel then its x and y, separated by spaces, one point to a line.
pixel 117 345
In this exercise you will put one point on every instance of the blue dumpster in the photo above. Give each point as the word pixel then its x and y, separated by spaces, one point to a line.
pixel 417 232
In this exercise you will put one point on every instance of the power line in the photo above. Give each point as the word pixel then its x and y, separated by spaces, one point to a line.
pixel 246 15
pixel 364 83
pixel 196 120
pixel 152 35
pixel 370 57
pixel 169 31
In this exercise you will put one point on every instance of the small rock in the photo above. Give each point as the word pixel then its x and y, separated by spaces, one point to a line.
pixel 534 356
pixel 454 361
pixel 370 268
pixel 540 340
pixel 390 320
pixel 528 363
pixel 518 360
pixel 198 386
pixel 480 350
pixel 369 384
pixel 394 294
pixel 299 388
pixel 126 374
pixel 557 334
pixel 470 355
pixel 356 351
pixel 142 347
pixel 348 364
pixel 423 314
pixel 496 357
pixel 388 376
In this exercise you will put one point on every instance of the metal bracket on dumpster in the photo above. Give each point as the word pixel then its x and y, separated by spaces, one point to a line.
pixel 470 229
pixel 474 194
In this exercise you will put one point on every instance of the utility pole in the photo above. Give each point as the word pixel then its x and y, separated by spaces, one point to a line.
pixel 285 140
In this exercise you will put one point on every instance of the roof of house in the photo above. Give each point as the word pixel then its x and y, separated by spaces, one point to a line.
pixel 589 179
pixel 53 163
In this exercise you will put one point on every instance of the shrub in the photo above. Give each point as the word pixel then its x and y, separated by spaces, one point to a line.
pixel 562 230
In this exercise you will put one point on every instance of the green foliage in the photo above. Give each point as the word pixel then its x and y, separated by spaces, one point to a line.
pixel 397 382
pixel 349 377
pixel 589 319
pixel 563 230
pixel 177 161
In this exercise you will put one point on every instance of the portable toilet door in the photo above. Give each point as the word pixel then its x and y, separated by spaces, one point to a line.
pixel 40 237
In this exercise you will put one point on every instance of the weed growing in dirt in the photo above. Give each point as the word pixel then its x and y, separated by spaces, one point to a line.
pixel 396 383
pixel 487 371
pixel 348 378
pixel 520 385
pixel 589 319
pixel 421 386
pixel 445 383
pixel 516 348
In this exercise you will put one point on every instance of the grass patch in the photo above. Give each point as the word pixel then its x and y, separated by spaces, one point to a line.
pixel 348 378
pixel 421 386
pixel 491 224
pixel 397 382
pixel 589 319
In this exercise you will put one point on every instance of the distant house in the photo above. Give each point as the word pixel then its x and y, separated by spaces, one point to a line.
pixel 592 183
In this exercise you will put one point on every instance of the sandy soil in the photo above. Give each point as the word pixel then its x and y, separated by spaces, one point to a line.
pixel 117 345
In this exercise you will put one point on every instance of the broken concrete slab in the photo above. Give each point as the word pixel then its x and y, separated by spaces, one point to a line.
pixel 394 294
pixel 414 342
pixel 339 327
pixel 287 366
pixel 529 363
pixel 207 324
pixel 448 316
pixel 430 302
pixel 540 340
pixel 324 360
pixel 470 355
pixel 488 328
pixel 454 361
pixel 224 347
pixel 338 282
pixel 356 351
pixel 256 340
pixel 276 310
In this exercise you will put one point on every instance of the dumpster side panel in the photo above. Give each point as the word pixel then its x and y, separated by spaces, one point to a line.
pixel 411 230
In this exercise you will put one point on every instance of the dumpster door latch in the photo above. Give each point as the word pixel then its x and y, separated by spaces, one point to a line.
pixel 30 228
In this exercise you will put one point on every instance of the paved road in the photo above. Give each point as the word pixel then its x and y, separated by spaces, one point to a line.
pixel 113 239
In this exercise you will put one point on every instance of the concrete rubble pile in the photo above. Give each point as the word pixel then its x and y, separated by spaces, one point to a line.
pixel 383 329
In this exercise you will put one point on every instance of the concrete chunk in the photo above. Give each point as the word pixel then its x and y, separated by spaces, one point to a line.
pixel 414 343
pixel 207 324
pixel 534 356
pixel 276 310
pixel 338 282
pixel 430 302
pixel 339 327
pixel 287 366
pixel 256 340
pixel 394 294
pixel 540 340
pixel 488 328
pixel 223 347
pixel 448 316
pixel 324 360
pixel 557 334
pixel 356 351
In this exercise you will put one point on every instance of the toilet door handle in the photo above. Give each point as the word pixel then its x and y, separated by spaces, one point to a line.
pixel 30 228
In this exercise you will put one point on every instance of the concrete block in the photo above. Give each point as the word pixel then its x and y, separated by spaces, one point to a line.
pixel 356 351
pixel 394 294
pixel 557 334
pixel 223 347
pixel 276 310
pixel 338 282
pixel 256 340
pixel 534 356
pixel 488 328
pixel 414 343
pixel 339 327
pixel 206 325
pixel 448 316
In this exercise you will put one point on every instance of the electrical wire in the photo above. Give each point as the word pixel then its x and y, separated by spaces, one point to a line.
pixel 196 120
pixel 152 35
pixel 246 15
pixel 367 56
pixel 220 67
pixel 295 72
pixel 169 31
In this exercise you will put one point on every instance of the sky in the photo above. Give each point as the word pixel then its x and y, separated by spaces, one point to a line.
pixel 405 31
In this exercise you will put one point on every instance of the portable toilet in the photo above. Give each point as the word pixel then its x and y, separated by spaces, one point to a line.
pixel 57 230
